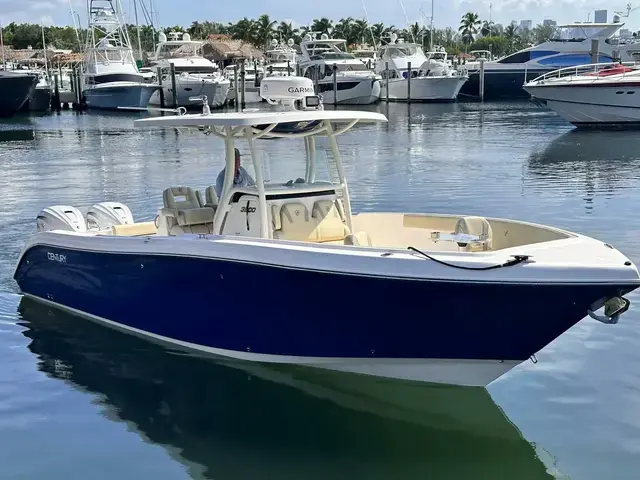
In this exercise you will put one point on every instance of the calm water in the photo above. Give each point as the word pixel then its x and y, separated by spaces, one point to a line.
pixel 79 401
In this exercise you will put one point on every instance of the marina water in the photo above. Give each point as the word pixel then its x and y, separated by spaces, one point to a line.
pixel 79 401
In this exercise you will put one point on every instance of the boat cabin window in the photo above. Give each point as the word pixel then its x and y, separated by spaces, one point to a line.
pixel 518 57
pixel 110 55
pixel 401 50
pixel 344 67
pixel 572 60
pixel 196 69
pixel 179 50
pixel 579 33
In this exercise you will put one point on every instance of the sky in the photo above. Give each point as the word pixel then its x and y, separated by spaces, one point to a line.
pixel 446 12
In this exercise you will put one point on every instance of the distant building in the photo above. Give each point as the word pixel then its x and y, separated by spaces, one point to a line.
pixel 514 23
pixel 549 23
pixel 525 24
pixel 600 16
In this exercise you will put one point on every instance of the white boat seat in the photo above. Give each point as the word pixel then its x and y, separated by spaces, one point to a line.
pixel 180 198
pixel 211 197
pixel 358 239
pixel 329 224
pixel 294 223
pixel 184 212
pixel 291 221
pixel 475 226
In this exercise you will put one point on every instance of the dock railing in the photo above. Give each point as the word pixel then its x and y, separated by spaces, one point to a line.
pixel 590 71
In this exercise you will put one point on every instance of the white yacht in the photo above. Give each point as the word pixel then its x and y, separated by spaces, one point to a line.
pixel 280 59
pixel 592 95
pixel 570 47
pixel 110 76
pixel 195 75
pixel 357 85
pixel 439 298
pixel 431 78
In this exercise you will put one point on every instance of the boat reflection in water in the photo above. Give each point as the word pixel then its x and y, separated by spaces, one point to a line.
pixel 246 420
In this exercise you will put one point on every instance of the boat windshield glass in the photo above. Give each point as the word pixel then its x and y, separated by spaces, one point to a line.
pixel 290 167
pixel 279 57
pixel 362 54
pixel 346 67
pixel 115 54
pixel 440 56
pixel 402 50
pixel 179 50
pixel 577 33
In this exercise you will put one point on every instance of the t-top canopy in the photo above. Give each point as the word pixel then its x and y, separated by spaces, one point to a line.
pixel 248 119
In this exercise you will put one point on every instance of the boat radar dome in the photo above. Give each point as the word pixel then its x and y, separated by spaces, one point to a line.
pixel 162 37
pixel 290 42
pixel 307 38
pixel 186 37
pixel 324 36
pixel 394 37
pixel 291 92
pixel 274 42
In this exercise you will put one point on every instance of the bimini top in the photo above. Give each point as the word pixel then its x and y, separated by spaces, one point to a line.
pixel 248 119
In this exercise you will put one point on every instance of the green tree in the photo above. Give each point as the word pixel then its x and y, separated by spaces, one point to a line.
pixel 469 27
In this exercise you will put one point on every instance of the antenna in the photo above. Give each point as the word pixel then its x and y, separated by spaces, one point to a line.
pixel 407 19
pixel 366 16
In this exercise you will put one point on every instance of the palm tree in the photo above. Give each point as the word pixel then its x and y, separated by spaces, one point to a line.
pixel 286 31
pixel 344 29
pixel 469 27
pixel 361 31
pixel 264 30
pixel 323 25
pixel 487 29
pixel 245 30
pixel 511 35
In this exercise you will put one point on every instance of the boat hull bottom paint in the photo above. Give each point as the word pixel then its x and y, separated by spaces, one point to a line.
pixel 470 373
pixel 427 89
pixel 399 327
pixel 119 96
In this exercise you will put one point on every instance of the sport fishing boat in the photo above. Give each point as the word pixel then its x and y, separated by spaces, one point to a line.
pixel 453 299
pixel 110 77
pixel 594 95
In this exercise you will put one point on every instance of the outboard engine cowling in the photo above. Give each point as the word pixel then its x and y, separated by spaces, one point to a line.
pixel 107 214
pixel 61 217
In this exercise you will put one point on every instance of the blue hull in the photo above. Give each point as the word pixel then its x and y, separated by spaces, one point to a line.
pixel 501 85
pixel 115 98
pixel 247 307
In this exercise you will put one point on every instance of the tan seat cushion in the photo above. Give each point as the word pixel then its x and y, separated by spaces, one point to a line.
pixel 134 229
pixel 296 224
pixel 195 216
pixel 329 221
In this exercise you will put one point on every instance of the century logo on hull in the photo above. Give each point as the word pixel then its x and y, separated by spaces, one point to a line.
pixel 56 257
pixel 300 89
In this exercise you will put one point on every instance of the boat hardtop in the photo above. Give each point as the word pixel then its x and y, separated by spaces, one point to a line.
pixel 299 240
